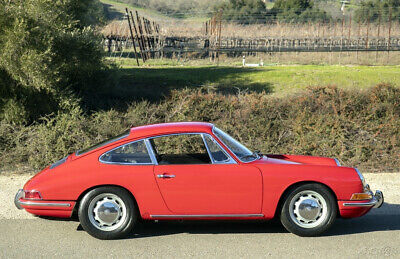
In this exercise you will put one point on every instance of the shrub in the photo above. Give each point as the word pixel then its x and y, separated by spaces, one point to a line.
pixel 49 51
pixel 361 128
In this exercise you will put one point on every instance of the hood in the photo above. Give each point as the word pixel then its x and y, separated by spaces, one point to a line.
pixel 296 160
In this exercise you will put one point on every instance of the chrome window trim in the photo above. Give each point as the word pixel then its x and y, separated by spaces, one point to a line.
pixel 245 162
pixel 122 163
pixel 337 162
pixel 209 216
pixel 151 151
pixel 232 161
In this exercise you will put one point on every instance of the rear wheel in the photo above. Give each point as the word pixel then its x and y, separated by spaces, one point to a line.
pixel 309 210
pixel 107 213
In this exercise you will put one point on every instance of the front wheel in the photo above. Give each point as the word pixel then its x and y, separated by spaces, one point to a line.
pixel 309 210
pixel 107 213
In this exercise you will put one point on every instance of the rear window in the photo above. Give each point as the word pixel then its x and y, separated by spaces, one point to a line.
pixel 103 143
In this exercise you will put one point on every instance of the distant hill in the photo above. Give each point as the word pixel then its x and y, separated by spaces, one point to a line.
pixel 183 9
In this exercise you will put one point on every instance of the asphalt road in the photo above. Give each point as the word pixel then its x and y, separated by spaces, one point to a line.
pixel 375 235
pixel 370 236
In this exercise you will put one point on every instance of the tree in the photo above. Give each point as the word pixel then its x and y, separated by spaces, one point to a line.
pixel 372 9
pixel 244 11
pixel 50 51
pixel 297 11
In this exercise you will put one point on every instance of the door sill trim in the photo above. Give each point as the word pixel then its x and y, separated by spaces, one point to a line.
pixel 210 216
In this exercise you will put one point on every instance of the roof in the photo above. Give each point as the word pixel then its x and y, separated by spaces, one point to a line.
pixel 170 128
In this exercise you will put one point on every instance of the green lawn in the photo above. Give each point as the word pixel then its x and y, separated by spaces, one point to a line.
pixel 117 11
pixel 158 78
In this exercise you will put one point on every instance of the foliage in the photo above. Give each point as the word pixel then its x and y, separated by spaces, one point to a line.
pixel 373 10
pixel 297 11
pixel 49 54
pixel 361 128
pixel 244 11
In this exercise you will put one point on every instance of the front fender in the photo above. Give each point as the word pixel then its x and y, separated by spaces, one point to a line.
pixel 343 181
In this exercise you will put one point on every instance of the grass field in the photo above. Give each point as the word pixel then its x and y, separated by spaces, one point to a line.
pixel 158 78
pixel 116 10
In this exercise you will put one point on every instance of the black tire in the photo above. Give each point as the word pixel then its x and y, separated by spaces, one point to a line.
pixel 324 210
pixel 126 217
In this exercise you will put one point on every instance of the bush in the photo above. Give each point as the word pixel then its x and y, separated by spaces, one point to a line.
pixel 361 128
pixel 49 52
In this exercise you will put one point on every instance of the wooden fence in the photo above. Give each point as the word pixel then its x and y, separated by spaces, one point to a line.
pixel 142 39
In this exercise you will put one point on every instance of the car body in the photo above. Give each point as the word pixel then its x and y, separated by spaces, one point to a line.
pixel 230 184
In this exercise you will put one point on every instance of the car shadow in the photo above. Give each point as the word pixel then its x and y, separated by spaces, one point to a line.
pixel 386 218
pixel 164 228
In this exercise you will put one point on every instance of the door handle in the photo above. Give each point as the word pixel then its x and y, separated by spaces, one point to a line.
pixel 166 176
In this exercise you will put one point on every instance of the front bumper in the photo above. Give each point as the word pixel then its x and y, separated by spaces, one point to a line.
pixel 376 201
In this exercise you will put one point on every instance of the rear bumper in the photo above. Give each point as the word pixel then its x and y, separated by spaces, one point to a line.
pixel 44 207
pixel 352 209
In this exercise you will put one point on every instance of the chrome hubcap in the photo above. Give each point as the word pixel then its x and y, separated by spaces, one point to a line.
pixel 308 209
pixel 107 211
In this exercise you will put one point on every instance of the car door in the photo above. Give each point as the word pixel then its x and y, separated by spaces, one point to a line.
pixel 202 179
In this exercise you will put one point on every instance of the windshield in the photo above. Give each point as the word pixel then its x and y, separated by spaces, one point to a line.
pixel 242 152
pixel 103 143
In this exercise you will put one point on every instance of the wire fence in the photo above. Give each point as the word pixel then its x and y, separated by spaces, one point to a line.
pixel 138 37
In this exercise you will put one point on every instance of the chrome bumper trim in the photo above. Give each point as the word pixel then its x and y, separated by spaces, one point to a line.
pixel 376 201
pixel 44 204
pixel 20 194
pixel 209 216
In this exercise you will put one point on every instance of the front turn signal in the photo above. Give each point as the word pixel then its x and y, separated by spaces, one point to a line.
pixel 361 196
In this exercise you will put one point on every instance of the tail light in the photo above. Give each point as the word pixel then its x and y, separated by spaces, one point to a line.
pixel 32 195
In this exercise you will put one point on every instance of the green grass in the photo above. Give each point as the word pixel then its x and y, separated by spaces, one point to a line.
pixel 117 10
pixel 158 78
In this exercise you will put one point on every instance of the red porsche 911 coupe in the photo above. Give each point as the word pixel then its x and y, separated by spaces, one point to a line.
pixel 193 170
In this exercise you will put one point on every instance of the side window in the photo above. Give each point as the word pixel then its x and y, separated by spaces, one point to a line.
pixel 218 155
pixel 132 153
pixel 180 149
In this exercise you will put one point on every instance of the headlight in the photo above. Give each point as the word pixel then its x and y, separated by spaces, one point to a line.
pixel 361 177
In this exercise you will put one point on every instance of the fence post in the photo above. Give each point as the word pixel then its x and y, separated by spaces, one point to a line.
pixel 390 28
pixel 138 39
pixel 366 42
pixel 219 34
pixel 133 41
pixel 379 31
